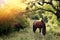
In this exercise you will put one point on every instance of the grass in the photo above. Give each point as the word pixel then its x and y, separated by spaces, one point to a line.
pixel 27 34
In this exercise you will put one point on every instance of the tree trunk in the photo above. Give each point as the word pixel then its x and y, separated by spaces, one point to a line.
pixel 58 14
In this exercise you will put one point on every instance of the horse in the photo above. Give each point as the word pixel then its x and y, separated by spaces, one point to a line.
pixel 18 26
pixel 40 25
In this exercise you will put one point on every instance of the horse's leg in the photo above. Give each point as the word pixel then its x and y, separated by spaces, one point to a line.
pixel 44 30
pixel 21 27
pixel 17 28
pixel 34 28
pixel 39 29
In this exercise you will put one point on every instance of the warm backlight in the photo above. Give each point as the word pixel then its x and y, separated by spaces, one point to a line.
pixel 10 7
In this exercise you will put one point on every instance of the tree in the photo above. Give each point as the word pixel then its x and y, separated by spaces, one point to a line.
pixel 42 2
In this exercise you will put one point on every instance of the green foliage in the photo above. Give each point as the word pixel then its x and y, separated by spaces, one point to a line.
pixel 23 20
pixel 7 25
pixel 35 15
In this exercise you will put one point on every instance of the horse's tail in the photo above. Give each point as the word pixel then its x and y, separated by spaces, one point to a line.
pixel 44 30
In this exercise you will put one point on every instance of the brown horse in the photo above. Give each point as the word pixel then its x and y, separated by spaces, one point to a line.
pixel 40 25
pixel 18 26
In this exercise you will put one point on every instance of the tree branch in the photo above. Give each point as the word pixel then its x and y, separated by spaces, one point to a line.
pixel 44 10
pixel 38 9
pixel 51 5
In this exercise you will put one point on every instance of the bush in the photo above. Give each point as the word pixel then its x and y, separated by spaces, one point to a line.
pixel 5 26
pixel 24 20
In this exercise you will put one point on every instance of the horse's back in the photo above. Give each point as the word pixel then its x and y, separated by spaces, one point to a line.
pixel 37 23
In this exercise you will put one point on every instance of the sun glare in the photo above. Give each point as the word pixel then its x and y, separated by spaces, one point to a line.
pixel 3 3
pixel 10 7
